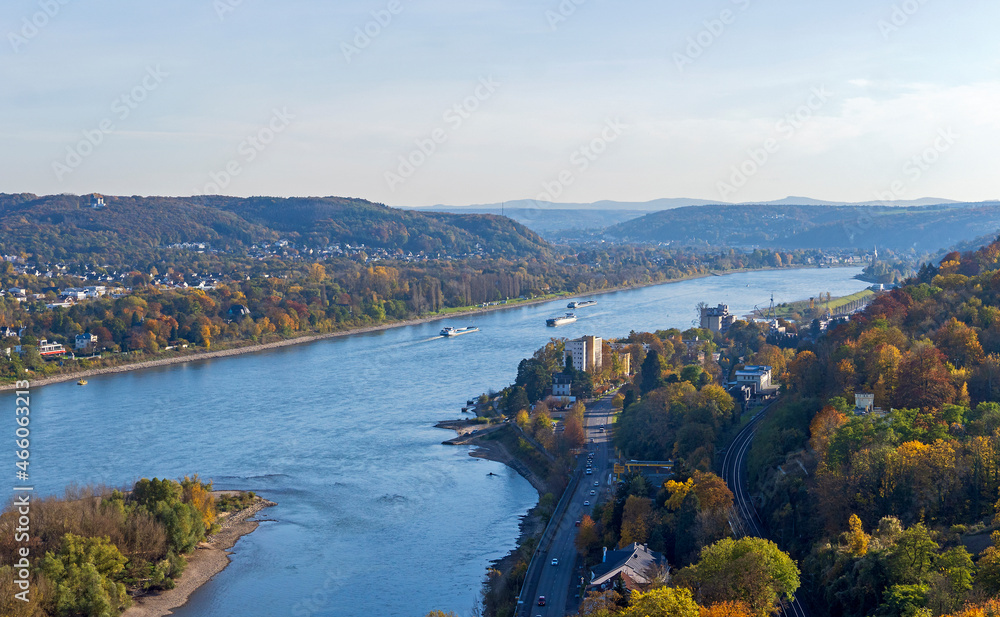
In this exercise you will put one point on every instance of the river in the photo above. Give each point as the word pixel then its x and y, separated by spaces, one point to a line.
pixel 374 516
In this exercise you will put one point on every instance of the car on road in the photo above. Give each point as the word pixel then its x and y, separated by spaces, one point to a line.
pixel 541 600
pixel 590 471
pixel 593 492
pixel 601 429
pixel 555 562
pixel 597 483
pixel 586 503
pixel 577 523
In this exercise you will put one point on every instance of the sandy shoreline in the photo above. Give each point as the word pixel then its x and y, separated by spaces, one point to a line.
pixel 246 349
pixel 209 558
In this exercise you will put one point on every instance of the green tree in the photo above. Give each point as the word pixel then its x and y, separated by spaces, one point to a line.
pixel 912 555
pixel 583 384
pixel 905 601
pixel 692 373
pixel 749 570
pixel 651 376
pixel 516 400
pixel 163 499
pixel 85 575
pixel 989 567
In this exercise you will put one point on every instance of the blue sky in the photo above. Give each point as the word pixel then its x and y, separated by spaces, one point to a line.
pixel 479 101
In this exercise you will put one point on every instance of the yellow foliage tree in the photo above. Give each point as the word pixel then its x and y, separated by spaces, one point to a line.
pixel 635 520
pixel 662 602
pixel 857 539
pixel 200 496
pixel 990 609
pixel 678 491
pixel 727 609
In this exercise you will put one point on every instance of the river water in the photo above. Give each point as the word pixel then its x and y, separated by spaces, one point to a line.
pixel 374 516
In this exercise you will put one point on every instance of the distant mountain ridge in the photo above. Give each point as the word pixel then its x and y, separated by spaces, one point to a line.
pixel 669 203
pixel 559 220
pixel 925 228
pixel 57 225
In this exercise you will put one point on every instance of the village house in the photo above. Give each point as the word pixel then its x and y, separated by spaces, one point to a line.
pixel 629 569
pixel 86 341
pixel 562 386
pixel 756 377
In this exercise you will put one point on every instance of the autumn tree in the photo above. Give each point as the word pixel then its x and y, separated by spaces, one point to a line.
pixel 727 609
pixel 573 431
pixel 636 520
pixel 823 427
pixel 924 381
pixel 856 539
pixel 587 538
pixel 959 343
pixel 662 602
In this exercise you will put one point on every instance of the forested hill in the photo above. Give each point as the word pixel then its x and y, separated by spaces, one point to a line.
pixel 63 226
pixel 926 228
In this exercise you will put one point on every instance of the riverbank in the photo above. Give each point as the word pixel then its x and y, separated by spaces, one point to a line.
pixel 505 577
pixel 193 356
pixel 209 558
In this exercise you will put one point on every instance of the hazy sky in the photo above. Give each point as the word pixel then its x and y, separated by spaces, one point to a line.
pixel 475 101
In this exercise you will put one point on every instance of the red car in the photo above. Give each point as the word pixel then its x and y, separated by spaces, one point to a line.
pixel 541 600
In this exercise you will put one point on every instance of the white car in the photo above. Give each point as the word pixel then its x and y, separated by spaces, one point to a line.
pixel 597 483
pixel 555 562
pixel 586 503
pixel 592 493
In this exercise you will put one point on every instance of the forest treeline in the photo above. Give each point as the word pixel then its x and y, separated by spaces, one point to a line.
pixel 893 511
